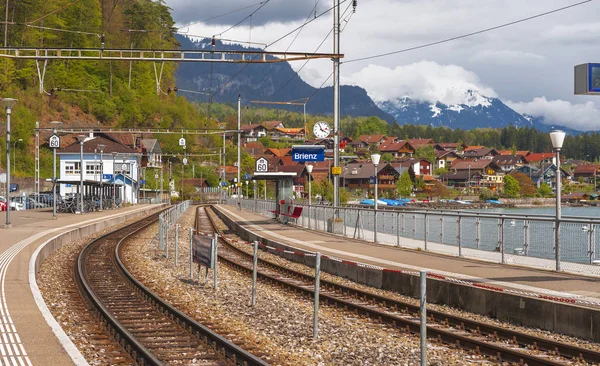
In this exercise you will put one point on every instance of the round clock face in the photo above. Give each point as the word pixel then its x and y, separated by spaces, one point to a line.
pixel 321 130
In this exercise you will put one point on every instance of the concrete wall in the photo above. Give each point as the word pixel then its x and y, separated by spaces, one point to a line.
pixel 81 232
pixel 553 316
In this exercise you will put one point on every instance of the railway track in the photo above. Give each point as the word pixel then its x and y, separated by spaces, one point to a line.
pixel 497 342
pixel 149 329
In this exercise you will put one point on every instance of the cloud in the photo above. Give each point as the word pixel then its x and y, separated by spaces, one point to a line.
pixel 211 13
pixel 574 33
pixel 583 117
pixel 506 57
pixel 425 81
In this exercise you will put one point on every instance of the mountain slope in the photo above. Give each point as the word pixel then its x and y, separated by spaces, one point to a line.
pixel 265 82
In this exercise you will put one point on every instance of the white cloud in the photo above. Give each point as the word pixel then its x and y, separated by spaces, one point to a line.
pixel 425 81
pixel 506 57
pixel 583 117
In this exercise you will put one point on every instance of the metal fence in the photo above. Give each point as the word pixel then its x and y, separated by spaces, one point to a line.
pixel 527 240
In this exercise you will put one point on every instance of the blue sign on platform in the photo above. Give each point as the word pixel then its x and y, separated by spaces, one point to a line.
pixel 372 179
pixel 247 176
pixel 306 153
pixel 594 77
pixel 68 185
pixel 142 181
pixel 107 176
pixel 224 184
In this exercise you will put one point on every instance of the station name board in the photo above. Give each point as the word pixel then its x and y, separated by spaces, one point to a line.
pixel 307 153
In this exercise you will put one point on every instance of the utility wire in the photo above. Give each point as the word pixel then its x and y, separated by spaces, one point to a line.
pixel 222 15
pixel 468 34
pixel 241 21
pixel 54 12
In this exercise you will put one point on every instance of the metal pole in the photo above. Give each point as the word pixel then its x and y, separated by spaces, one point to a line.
pixel 161 227
pixel 8 111
pixel 317 286
pixel 239 147
pixel 458 222
pixel 176 244
pixel 216 260
pixel 558 214
pixel 336 102
pixel 423 313
pixel 375 206
pixel 53 183
pixel 254 270
pixel 168 226
pixel 309 198
pixel 191 253
pixel 114 182
pixel 425 229
pixel 37 159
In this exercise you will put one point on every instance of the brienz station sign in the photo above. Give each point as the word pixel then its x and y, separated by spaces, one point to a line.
pixel 308 153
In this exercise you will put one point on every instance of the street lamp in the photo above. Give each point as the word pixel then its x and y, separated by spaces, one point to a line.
pixel 81 139
pixel 53 172
pixel 557 137
pixel 101 147
pixel 309 169
pixel 375 159
pixel 15 154
pixel 247 189
pixel 8 104
pixel 469 179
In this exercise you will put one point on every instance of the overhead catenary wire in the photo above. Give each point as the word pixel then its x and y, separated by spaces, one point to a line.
pixel 53 12
pixel 243 20
pixel 222 15
pixel 468 34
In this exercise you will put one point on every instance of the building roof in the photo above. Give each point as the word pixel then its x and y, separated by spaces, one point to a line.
pixel 420 143
pixel 361 170
pixel 449 145
pixel 246 128
pixel 585 169
pixel 393 146
pixel 196 182
pixel 474 147
pixel 480 153
pixel 371 139
pixel 269 125
pixel 444 153
pixel 150 145
pixel 290 130
pixel 278 152
pixel 518 152
pixel 92 143
pixel 536 157
pixel 508 159
pixel 473 164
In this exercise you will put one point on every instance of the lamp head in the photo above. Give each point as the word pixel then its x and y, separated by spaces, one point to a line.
pixel 309 168
pixel 101 147
pixel 375 159
pixel 81 139
pixel 8 103
pixel 557 137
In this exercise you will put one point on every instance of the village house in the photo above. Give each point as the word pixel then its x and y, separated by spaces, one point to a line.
pixel 253 132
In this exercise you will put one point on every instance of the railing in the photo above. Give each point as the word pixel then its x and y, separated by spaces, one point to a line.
pixel 527 240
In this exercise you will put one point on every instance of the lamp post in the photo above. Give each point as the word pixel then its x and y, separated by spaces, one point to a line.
pixel 247 189
pixel 375 159
pixel 114 171
pixel 309 169
pixel 15 155
pixel 81 139
pixel 469 179
pixel 557 137
pixel 101 147
pixel 53 173
pixel 8 104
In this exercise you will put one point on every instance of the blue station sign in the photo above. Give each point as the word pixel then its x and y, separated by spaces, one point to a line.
pixel 587 79
pixel 306 153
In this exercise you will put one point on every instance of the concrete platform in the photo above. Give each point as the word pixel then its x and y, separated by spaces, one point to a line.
pixel 27 339
pixel 561 302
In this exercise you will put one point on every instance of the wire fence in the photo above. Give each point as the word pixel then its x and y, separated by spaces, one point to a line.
pixel 527 240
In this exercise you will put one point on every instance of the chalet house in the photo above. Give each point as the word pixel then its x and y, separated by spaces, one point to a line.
pixel 541 158
pixel 151 153
pixel 444 159
pixel 487 173
pixel 253 132
pixel 199 184
pixel 419 166
pixel 545 173
pixel 587 173
pixel 255 148
pixel 508 162
pixel 517 152
pixel 397 149
pixel 358 176
pixel 278 152
pixel 483 153
pixel 117 166
pixel 405 166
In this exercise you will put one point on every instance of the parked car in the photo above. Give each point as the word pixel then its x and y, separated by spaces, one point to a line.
pixel 14 187
pixel 2 206
pixel 16 203
pixel 28 202
pixel 12 205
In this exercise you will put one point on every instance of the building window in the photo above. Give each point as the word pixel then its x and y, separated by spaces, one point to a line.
pixel 72 168
pixel 92 169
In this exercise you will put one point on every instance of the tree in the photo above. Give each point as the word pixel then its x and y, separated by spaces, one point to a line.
pixel 427 153
pixel 544 190
pixel 387 157
pixel 404 185
pixel 511 187
pixel 526 184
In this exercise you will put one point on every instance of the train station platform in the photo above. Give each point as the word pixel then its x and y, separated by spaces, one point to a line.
pixel 27 338
pixel 492 285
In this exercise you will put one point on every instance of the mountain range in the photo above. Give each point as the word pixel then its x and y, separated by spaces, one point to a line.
pixel 279 82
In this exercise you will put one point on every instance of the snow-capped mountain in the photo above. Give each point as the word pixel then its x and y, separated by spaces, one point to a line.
pixel 475 110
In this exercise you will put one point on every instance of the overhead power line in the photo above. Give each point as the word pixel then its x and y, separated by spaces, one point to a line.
pixel 222 15
pixel 243 20
pixel 54 12
pixel 468 34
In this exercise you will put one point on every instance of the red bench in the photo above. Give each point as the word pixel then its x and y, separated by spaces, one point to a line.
pixel 295 214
